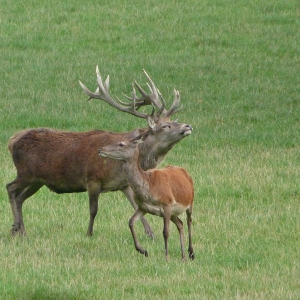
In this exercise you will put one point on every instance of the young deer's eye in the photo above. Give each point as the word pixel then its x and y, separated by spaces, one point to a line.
pixel 120 144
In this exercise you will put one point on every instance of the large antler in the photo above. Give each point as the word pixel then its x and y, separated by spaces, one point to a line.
pixel 102 93
pixel 131 107
pixel 154 99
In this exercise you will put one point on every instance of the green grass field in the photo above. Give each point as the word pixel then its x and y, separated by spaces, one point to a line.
pixel 236 65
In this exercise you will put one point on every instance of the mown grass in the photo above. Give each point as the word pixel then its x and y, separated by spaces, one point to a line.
pixel 236 67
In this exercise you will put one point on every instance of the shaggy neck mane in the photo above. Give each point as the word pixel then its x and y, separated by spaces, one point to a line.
pixel 137 177
pixel 149 159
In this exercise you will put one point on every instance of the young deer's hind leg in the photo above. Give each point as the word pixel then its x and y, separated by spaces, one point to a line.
pixel 18 192
pixel 189 224
pixel 166 216
pixel 179 226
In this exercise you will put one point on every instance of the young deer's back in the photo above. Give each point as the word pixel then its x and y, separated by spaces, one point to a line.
pixel 171 184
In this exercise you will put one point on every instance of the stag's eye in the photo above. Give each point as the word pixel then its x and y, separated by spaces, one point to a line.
pixel 120 144
pixel 166 126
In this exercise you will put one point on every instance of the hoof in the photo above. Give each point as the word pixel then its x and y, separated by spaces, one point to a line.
pixel 150 235
pixel 16 230
pixel 143 252
pixel 192 256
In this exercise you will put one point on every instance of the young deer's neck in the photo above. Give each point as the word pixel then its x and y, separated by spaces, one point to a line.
pixel 136 176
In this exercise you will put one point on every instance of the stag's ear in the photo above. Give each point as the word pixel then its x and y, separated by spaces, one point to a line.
pixel 151 122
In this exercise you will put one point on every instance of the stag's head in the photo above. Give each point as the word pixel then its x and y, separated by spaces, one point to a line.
pixel 163 133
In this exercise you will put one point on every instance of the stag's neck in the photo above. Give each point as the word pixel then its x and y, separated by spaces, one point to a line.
pixel 150 158
pixel 137 177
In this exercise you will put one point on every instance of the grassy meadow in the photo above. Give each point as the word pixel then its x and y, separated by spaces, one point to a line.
pixel 236 65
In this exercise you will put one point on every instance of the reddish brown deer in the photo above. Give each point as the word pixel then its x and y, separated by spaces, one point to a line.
pixel 164 192
pixel 67 162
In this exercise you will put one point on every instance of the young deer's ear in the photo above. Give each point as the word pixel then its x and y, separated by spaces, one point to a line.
pixel 133 134
pixel 138 141
pixel 141 138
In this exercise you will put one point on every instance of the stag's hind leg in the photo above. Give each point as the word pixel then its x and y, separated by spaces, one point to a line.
pixel 18 191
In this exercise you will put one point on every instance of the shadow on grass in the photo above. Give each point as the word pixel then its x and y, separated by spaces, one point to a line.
pixel 49 294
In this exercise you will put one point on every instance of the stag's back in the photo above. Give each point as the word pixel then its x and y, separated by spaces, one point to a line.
pixel 65 161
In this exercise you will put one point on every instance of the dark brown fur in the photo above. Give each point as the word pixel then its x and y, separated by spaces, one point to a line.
pixel 67 162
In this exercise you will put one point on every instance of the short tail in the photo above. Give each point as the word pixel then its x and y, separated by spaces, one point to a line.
pixel 15 138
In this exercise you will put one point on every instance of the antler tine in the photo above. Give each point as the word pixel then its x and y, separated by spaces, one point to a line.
pixel 153 90
pixel 90 94
pixel 102 93
pixel 145 98
pixel 174 107
pixel 143 101
pixel 162 108
pixel 152 99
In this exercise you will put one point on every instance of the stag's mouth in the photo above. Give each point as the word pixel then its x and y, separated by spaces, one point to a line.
pixel 188 130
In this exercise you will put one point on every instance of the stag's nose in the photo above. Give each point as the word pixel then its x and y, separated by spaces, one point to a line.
pixel 187 129
pixel 189 126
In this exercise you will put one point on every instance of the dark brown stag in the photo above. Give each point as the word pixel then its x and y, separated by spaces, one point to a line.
pixel 68 162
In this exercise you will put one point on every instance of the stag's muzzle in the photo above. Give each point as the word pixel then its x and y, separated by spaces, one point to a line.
pixel 187 130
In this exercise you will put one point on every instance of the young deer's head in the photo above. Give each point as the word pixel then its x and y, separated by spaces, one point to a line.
pixel 123 150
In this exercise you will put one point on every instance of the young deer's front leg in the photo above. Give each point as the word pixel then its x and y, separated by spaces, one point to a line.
pixel 136 216
pixel 128 192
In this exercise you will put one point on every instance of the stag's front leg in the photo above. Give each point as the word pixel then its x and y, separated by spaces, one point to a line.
pixel 128 192
pixel 18 191
pixel 136 216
